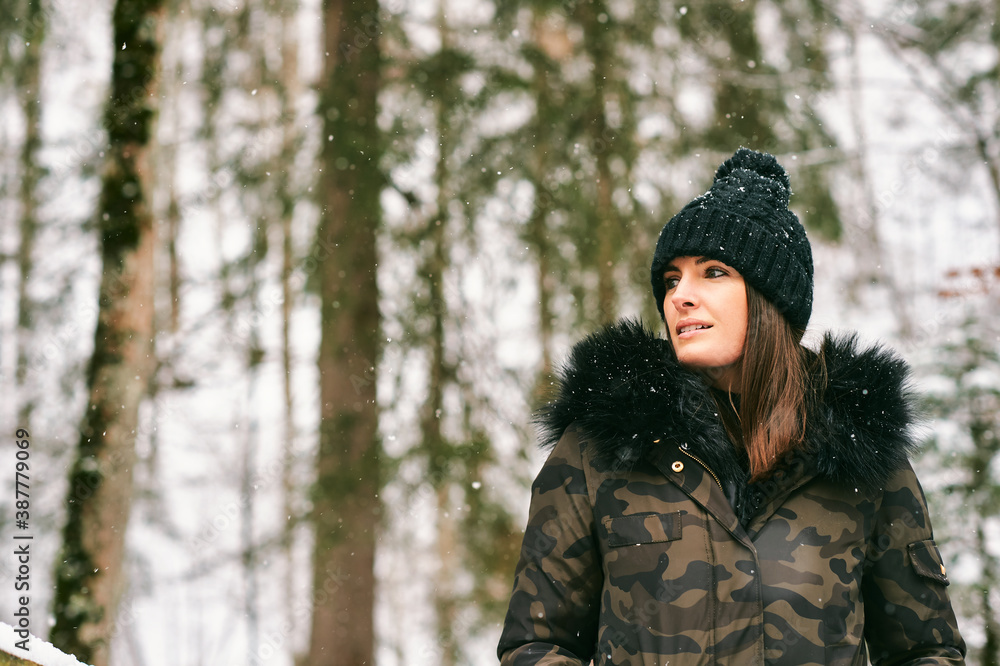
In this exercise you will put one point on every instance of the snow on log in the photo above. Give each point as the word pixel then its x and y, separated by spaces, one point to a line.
pixel 39 653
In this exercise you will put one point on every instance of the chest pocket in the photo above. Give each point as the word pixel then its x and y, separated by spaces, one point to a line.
pixel 642 528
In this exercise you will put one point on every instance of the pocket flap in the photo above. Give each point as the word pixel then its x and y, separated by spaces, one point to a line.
pixel 642 528
pixel 926 560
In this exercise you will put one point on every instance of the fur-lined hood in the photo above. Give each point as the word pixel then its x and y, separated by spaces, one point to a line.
pixel 627 395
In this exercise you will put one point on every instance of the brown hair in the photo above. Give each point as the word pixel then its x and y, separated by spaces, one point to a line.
pixel 774 386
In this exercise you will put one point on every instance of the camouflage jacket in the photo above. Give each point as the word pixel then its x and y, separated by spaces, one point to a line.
pixel 646 544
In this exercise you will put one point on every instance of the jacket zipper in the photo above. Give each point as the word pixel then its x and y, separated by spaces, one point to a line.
pixel 707 468
pixel 739 537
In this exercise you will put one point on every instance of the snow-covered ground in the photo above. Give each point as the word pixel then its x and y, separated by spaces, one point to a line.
pixel 38 652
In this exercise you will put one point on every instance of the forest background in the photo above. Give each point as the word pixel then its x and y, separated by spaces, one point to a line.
pixel 282 281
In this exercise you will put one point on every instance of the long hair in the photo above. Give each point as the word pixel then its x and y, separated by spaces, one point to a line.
pixel 777 374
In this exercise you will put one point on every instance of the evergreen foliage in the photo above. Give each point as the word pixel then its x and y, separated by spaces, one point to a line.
pixel 967 403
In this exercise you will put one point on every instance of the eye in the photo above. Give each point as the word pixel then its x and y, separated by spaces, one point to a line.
pixel 670 282
pixel 715 272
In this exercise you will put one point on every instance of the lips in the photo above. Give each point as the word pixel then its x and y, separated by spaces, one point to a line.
pixel 688 327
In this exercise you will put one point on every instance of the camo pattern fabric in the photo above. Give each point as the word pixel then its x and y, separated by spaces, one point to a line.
pixel 651 566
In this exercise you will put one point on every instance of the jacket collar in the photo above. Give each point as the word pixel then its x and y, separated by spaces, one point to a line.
pixel 628 396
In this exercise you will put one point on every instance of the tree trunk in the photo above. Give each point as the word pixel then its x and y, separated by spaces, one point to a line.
pixel 439 456
pixel 537 231
pixel 449 564
pixel 865 242
pixel 248 546
pixel 346 508
pixel 89 574
pixel 608 231
pixel 29 84
pixel 990 655
pixel 288 91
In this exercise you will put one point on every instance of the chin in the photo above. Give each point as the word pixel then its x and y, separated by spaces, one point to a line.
pixel 707 362
pixel 703 361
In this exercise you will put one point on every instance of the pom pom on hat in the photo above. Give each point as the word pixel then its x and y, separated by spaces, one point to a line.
pixel 744 221
pixel 762 164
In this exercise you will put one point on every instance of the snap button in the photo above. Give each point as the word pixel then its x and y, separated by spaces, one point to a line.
pixel 678 466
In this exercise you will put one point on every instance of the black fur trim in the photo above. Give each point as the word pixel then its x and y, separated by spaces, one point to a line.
pixel 861 430
pixel 624 389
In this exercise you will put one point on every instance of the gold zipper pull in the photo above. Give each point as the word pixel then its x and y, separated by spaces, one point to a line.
pixel 684 449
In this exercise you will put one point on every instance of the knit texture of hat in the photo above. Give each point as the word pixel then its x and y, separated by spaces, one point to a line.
pixel 744 221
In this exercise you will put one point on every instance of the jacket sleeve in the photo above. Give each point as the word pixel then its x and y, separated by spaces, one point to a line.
pixel 908 615
pixel 553 611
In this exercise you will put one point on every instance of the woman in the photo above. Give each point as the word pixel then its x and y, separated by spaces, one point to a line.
pixel 726 496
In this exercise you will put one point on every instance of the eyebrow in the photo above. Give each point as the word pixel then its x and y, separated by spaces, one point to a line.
pixel 698 262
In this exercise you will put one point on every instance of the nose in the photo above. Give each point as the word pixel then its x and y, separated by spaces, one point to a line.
pixel 684 295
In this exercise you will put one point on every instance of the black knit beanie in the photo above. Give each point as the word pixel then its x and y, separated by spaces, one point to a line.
pixel 744 221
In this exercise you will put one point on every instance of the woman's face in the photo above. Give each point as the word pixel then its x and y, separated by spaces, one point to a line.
pixel 706 313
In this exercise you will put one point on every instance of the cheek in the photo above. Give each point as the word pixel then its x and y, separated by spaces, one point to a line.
pixel 669 316
pixel 739 342
pixel 740 320
pixel 670 335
